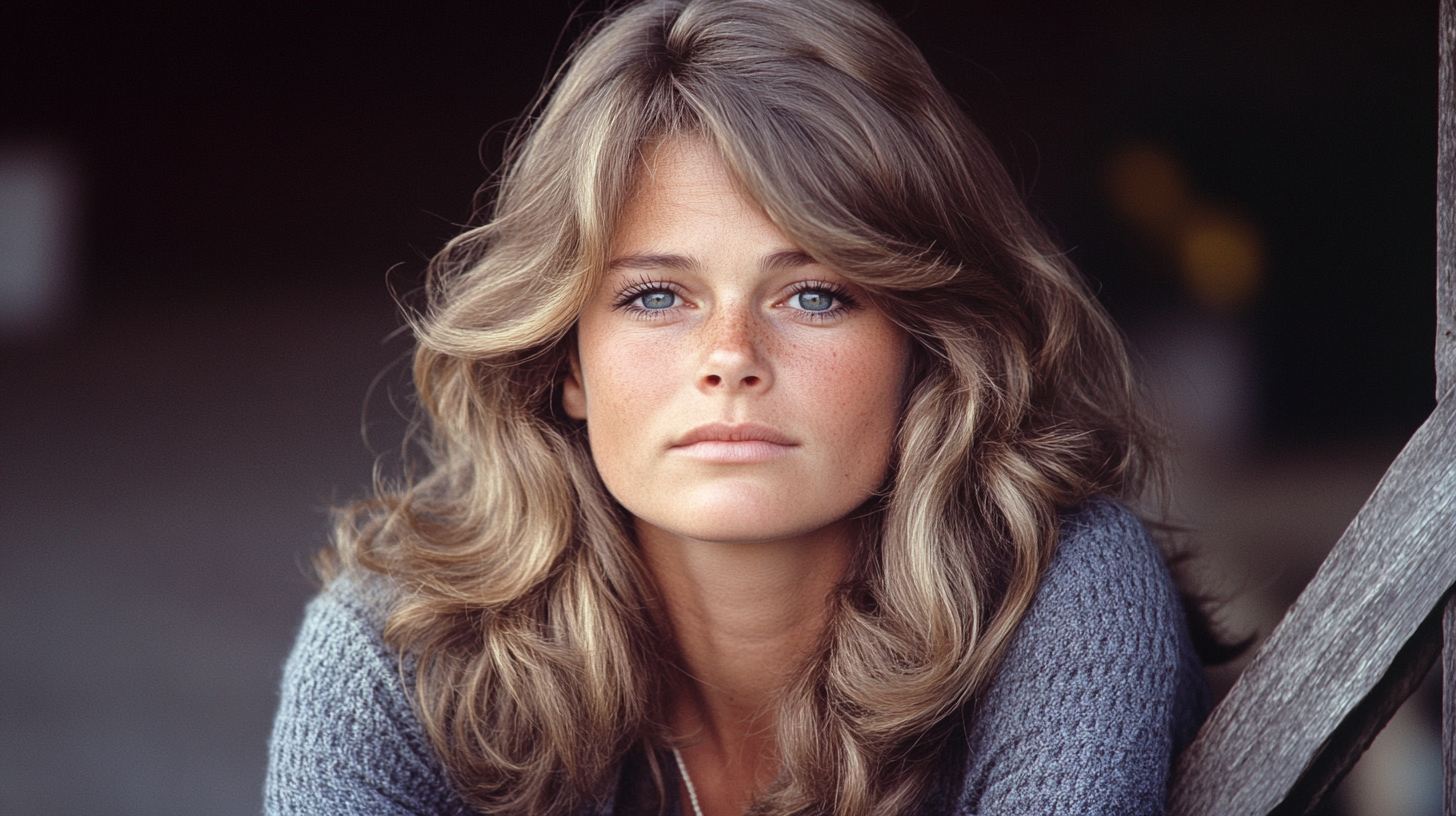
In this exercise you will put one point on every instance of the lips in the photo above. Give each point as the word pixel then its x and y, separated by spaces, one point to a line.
pixel 733 444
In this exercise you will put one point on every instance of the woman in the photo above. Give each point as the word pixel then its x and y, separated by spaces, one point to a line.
pixel 773 450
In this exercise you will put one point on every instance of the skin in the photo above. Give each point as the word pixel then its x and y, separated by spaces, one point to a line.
pixel 741 403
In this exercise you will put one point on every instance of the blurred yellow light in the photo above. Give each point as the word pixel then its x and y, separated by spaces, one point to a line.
pixel 1221 259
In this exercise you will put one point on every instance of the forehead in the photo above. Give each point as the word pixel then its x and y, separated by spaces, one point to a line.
pixel 684 196
pixel 683 173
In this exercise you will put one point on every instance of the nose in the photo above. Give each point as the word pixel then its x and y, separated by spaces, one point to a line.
pixel 733 357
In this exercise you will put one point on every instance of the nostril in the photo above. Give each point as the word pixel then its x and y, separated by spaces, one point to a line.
pixel 714 379
pixel 750 381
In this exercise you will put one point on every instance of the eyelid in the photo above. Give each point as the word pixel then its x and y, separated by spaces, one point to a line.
pixel 640 286
pixel 840 292
pixel 837 289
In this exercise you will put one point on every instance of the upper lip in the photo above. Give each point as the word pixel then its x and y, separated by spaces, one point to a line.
pixel 728 432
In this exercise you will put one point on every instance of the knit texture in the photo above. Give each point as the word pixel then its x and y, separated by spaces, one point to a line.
pixel 1098 692
pixel 1100 689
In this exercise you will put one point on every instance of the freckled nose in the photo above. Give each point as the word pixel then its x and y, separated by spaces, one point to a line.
pixel 733 356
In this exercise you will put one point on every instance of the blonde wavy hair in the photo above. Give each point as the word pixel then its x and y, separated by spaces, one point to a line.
pixel 540 651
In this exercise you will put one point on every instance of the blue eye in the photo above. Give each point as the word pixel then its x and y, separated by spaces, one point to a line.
pixel 657 300
pixel 645 298
pixel 813 300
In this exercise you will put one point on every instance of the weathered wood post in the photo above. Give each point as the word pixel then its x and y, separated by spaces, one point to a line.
pixel 1446 210
pixel 1448 708
pixel 1446 352
pixel 1369 626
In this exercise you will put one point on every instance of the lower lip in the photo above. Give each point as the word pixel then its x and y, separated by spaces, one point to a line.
pixel 736 453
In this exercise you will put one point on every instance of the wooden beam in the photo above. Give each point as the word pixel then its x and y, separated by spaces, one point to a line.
pixel 1446 209
pixel 1448 706
pixel 1350 739
pixel 1337 643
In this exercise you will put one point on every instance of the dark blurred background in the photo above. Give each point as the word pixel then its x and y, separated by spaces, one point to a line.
pixel 204 209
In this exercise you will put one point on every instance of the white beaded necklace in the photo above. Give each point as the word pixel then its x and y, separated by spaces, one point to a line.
pixel 688 781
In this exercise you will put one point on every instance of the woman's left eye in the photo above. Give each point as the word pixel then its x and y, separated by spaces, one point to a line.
pixel 820 300
pixel 813 300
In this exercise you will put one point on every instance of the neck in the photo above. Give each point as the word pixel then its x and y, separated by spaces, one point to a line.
pixel 746 615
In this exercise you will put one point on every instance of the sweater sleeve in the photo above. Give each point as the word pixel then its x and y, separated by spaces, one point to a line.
pixel 1100 687
pixel 346 740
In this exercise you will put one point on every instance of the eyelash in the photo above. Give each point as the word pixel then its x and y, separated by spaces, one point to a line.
pixel 636 289
pixel 844 302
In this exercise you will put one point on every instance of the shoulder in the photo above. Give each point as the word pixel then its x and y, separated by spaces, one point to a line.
pixel 1100 686
pixel 346 738
pixel 1107 575
pixel 1106 598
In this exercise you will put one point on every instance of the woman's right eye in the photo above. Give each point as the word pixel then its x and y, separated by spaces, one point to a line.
pixel 656 300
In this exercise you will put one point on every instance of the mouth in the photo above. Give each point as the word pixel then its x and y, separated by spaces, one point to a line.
pixel 733 444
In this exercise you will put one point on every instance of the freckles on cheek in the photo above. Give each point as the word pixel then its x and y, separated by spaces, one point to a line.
pixel 868 383
pixel 857 374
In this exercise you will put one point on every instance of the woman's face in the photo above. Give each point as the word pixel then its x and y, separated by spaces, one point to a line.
pixel 733 388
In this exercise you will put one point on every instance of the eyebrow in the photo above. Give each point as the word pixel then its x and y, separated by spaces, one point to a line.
pixel 651 260
pixel 786 259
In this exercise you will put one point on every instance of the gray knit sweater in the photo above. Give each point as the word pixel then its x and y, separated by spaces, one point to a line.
pixel 1099 691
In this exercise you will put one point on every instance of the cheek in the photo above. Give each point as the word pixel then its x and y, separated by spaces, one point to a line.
pixel 626 376
pixel 861 397
pixel 628 382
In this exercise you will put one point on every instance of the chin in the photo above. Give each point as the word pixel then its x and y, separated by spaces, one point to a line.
pixel 739 522
pixel 738 510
